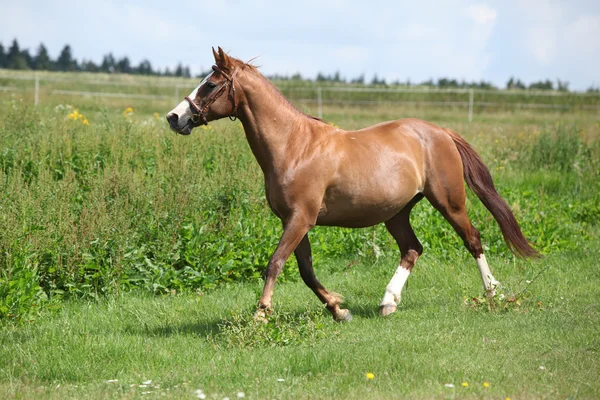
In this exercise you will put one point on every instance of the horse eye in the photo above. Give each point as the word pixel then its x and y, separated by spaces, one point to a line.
pixel 210 85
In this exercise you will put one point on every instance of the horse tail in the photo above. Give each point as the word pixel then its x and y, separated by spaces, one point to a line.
pixel 478 178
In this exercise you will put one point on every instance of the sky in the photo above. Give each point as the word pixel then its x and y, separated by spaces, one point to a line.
pixel 531 40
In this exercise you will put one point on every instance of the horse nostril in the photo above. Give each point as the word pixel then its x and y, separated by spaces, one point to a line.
pixel 172 118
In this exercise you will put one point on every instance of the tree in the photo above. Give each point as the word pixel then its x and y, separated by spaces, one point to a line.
pixel 108 63
pixel 511 83
pixel 144 68
pixel 179 70
pixel 562 86
pixel 377 81
pixel 541 85
pixel 2 57
pixel 65 61
pixel 89 66
pixel 42 60
pixel 515 84
pixel 124 66
pixel 28 58
pixel 359 80
pixel 593 89
pixel 15 58
pixel 447 83
pixel 484 85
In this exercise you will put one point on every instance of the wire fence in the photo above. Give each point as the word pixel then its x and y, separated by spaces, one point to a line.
pixel 43 88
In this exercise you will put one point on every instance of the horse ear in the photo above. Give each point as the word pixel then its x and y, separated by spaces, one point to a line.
pixel 224 60
pixel 216 55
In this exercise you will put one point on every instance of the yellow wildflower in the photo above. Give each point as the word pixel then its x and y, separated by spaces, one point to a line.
pixel 73 115
pixel 156 115
pixel 486 385
pixel 370 375
pixel 76 116
pixel 465 384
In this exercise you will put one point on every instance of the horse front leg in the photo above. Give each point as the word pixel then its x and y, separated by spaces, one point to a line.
pixel 294 230
pixel 330 299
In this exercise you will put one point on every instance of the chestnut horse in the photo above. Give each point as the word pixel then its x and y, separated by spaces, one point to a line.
pixel 317 174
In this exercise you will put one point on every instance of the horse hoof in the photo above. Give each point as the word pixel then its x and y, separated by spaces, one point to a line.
pixel 386 309
pixel 261 316
pixel 343 316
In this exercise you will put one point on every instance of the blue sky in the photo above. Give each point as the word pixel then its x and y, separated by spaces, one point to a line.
pixel 416 40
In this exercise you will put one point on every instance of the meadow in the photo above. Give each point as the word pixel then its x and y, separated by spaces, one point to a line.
pixel 129 254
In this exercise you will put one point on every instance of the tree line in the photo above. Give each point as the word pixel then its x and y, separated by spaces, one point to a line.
pixel 16 58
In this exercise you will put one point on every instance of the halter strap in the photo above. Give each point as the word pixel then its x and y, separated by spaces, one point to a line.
pixel 200 113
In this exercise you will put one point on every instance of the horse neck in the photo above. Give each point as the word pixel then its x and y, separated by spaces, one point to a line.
pixel 270 122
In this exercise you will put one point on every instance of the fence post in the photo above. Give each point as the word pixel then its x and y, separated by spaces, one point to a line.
pixel 470 105
pixel 36 96
pixel 320 102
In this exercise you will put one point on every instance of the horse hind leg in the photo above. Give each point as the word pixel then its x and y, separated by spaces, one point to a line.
pixel 452 205
pixel 410 250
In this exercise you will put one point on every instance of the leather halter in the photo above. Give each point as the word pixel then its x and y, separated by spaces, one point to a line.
pixel 200 113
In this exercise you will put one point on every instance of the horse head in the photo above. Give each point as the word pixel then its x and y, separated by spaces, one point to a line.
pixel 214 98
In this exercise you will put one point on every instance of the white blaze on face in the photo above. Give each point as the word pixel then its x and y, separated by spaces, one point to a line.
pixel 183 110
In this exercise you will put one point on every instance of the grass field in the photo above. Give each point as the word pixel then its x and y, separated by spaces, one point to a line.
pixel 129 253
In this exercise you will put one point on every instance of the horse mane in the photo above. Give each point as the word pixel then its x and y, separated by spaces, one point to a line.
pixel 285 100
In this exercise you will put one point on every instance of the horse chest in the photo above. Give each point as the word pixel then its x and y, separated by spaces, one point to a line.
pixel 276 197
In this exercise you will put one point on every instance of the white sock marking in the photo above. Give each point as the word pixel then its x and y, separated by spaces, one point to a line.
pixel 393 290
pixel 489 282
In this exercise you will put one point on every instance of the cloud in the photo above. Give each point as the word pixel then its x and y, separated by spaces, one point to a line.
pixel 481 13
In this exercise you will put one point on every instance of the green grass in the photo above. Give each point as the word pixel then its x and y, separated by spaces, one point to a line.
pixel 130 253
pixel 545 345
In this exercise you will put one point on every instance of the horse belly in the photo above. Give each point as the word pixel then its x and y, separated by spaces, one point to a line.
pixel 348 207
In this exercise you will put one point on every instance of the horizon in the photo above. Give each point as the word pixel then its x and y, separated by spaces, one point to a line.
pixel 468 41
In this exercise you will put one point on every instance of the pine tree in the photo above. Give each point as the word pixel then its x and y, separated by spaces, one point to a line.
pixel 511 83
pixel 108 63
pixel 2 57
pixel 42 60
pixel 15 58
pixel 145 68
pixel 65 61
pixel 124 65
pixel 89 66
pixel 179 70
